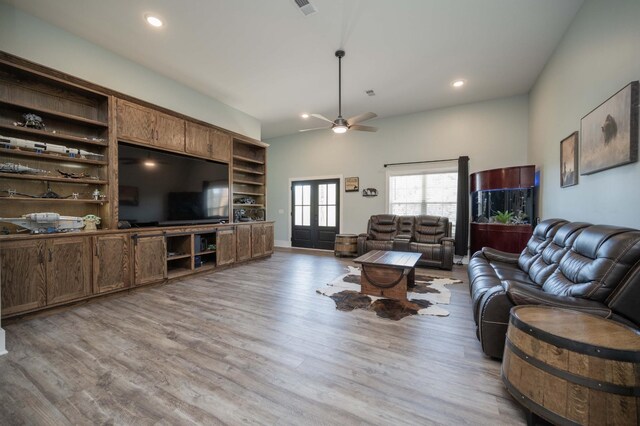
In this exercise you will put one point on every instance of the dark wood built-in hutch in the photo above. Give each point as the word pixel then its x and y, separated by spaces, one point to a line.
pixel 44 270
pixel 498 190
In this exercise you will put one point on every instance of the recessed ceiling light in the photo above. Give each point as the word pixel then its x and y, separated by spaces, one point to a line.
pixel 458 83
pixel 304 115
pixel 154 21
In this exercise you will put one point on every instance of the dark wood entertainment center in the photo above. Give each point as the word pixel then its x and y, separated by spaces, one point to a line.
pixel 40 271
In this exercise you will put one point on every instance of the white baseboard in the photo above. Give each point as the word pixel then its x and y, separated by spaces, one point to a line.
pixel 282 243
pixel 3 349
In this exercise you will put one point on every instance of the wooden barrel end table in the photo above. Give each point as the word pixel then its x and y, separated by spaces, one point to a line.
pixel 346 245
pixel 570 367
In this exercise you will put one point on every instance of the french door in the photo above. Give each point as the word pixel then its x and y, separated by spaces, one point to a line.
pixel 315 215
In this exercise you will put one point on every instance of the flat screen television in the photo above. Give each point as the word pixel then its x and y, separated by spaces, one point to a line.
pixel 157 188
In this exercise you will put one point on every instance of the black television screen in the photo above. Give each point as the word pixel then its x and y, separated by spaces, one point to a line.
pixel 159 188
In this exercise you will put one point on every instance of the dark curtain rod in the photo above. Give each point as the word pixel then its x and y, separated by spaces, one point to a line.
pixel 420 162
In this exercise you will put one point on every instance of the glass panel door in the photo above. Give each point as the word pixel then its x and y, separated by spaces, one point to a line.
pixel 315 213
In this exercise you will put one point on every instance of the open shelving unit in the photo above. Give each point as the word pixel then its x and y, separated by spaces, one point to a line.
pixel 249 180
pixel 179 254
pixel 204 246
pixel 76 118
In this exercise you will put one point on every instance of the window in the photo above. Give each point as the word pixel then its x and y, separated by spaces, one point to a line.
pixel 432 193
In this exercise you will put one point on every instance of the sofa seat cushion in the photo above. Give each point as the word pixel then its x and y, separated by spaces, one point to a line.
pixel 429 251
pixel 379 245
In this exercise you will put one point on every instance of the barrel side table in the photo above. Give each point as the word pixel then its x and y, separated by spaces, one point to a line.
pixel 570 367
pixel 346 245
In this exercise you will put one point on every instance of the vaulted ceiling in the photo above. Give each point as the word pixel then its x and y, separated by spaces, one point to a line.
pixel 268 60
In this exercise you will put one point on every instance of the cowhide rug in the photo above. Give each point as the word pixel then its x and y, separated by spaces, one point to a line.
pixel 423 299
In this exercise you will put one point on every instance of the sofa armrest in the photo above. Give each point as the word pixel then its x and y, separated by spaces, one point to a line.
pixel 401 243
pixel 362 243
pixel 448 240
pixel 522 294
pixel 499 256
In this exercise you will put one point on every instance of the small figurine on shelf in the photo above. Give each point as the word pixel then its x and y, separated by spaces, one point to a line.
pixel 32 121
pixel 98 195
pixel 90 222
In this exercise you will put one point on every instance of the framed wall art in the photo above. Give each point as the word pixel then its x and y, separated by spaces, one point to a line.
pixel 351 184
pixel 609 133
pixel 569 160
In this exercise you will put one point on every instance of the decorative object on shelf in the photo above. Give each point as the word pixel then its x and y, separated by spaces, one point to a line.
pixel 72 175
pixel 31 121
pixel 74 195
pixel 20 169
pixel 49 193
pixel 569 160
pixel 245 200
pixel 12 193
pixel 8 142
pixel 609 133
pixel 238 214
pixel 352 184
pixel 46 223
pixel 370 192
pixel 97 195
pixel 90 222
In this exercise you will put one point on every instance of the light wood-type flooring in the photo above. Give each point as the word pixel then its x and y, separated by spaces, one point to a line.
pixel 252 344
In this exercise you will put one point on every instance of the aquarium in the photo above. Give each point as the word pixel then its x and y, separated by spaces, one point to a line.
pixel 509 206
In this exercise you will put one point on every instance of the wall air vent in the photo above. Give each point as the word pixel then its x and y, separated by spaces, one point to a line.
pixel 370 92
pixel 305 7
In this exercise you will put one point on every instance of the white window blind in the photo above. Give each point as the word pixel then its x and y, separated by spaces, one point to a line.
pixel 430 192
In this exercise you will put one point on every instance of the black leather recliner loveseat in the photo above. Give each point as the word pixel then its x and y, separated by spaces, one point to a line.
pixel 591 268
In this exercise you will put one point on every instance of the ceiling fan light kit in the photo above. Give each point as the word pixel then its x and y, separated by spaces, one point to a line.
pixel 340 125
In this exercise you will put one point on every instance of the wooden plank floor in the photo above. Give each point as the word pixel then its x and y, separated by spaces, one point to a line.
pixel 251 344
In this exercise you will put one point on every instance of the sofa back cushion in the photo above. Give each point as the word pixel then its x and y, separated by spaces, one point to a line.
pixel 542 236
pixel 431 229
pixel 545 264
pixel 406 226
pixel 383 227
pixel 600 259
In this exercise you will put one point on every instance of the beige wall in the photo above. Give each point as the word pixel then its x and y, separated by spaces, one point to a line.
pixel 492 133
pixel 597 56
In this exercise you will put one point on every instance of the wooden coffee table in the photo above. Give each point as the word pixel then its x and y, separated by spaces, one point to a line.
pixel 387 273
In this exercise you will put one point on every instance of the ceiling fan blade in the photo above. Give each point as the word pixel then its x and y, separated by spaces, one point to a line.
pixel 362 117
pixel 322 117
pixel 363 128
pixel 315 128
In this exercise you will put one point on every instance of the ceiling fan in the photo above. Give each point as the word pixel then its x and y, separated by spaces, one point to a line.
pixel 340 125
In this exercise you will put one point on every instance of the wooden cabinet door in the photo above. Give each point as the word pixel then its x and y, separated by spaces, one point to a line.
pixel 68 269
pixel 220 145
pixel 111 262
pixel 149 259
pixel 197 140
pixel 243 242
pixel 169 132
pixel 257 240
pixel 225 247
pixel 135 122
pixel 22 276
pixel 268 238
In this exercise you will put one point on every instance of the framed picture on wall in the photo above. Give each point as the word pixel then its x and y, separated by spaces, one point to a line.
pixel 351 184
pixel 569 160
pixel 609 133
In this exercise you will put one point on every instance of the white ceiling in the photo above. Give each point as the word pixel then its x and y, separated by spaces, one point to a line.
pixel 265 58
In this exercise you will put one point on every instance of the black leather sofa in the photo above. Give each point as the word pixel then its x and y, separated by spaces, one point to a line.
pixel 425 234
pixel 592 268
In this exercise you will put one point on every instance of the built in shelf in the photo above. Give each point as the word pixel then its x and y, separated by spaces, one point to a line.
pixel 51 157
pixel 248 193
pixel 205 252
pixel 247 159
pixel 248 205
pixel 51 135
pixel 178 272
pixel 52 178
pixel 52 200
pixel 247 182
pixel 248 171
pixel 53 113
pixel 178 256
